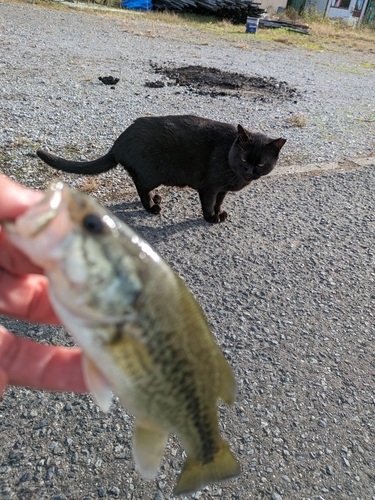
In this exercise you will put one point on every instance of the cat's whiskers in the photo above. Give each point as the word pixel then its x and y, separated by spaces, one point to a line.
pixel 233 177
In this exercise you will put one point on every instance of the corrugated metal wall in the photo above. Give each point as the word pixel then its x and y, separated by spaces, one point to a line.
pixel 297 5
pixel 369 17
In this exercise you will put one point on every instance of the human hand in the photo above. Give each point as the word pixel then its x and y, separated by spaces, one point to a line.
pixel 24 295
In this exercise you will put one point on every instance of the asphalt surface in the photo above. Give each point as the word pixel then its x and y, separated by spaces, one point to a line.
pixel 288 288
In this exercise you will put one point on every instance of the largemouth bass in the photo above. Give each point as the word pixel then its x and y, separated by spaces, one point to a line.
pixel 143 334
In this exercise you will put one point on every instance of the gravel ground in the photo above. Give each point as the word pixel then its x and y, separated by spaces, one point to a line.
pixel 287 282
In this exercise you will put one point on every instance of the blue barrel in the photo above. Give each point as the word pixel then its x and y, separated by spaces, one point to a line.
pixel 252 25
pixel 137 4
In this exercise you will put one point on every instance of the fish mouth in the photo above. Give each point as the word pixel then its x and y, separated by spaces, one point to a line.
pixel 42 231
pixel 40 215
pixel 46 210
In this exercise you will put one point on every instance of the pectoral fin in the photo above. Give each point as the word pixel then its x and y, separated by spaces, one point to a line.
pixel 148 449
pixel 97 383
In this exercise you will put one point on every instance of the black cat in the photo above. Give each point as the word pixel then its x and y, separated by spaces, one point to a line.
pixel 206 155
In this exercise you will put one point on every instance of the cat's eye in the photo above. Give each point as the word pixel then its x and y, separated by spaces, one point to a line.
pixel 243 159
pixel 93 224
pixel 260 164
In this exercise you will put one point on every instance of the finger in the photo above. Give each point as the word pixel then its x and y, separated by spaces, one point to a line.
pixel 3 382
pixel 15 199
pixel 40 366
pixel 13 260
pixel 26 297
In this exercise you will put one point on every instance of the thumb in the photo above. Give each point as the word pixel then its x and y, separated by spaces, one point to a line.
pixel 15 199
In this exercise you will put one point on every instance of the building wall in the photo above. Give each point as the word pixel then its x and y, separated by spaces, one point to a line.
pixel 272 5
pixel 319 5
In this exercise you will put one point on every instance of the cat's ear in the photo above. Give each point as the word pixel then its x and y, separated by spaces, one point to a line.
pixel 242 132
pixel 277 143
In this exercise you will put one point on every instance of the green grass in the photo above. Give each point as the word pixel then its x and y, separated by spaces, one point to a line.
pixel 367 65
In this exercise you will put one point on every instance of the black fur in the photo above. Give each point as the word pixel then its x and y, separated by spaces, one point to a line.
pixel 209 156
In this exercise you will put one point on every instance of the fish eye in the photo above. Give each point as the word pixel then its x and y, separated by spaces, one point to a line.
pixel 93 224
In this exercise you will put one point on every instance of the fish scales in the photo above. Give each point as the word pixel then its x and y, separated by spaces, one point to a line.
pixel 174 371
pixel 143 334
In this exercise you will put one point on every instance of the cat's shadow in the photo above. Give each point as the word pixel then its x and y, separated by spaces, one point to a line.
pixel 144 223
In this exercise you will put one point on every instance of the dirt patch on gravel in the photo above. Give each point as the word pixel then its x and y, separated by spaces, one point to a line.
pixel 215 82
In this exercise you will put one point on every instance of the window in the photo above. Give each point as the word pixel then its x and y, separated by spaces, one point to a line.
pixel 341 4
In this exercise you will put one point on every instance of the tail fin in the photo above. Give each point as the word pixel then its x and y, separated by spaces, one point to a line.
pixel 196 474
pixel 102 164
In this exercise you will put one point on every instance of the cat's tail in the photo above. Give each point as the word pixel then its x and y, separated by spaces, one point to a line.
pixel 102 164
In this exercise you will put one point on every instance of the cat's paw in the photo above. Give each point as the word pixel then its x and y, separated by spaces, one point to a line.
pixel 157 199
pixel 155 209
pixel 213 219
pixel 223 216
